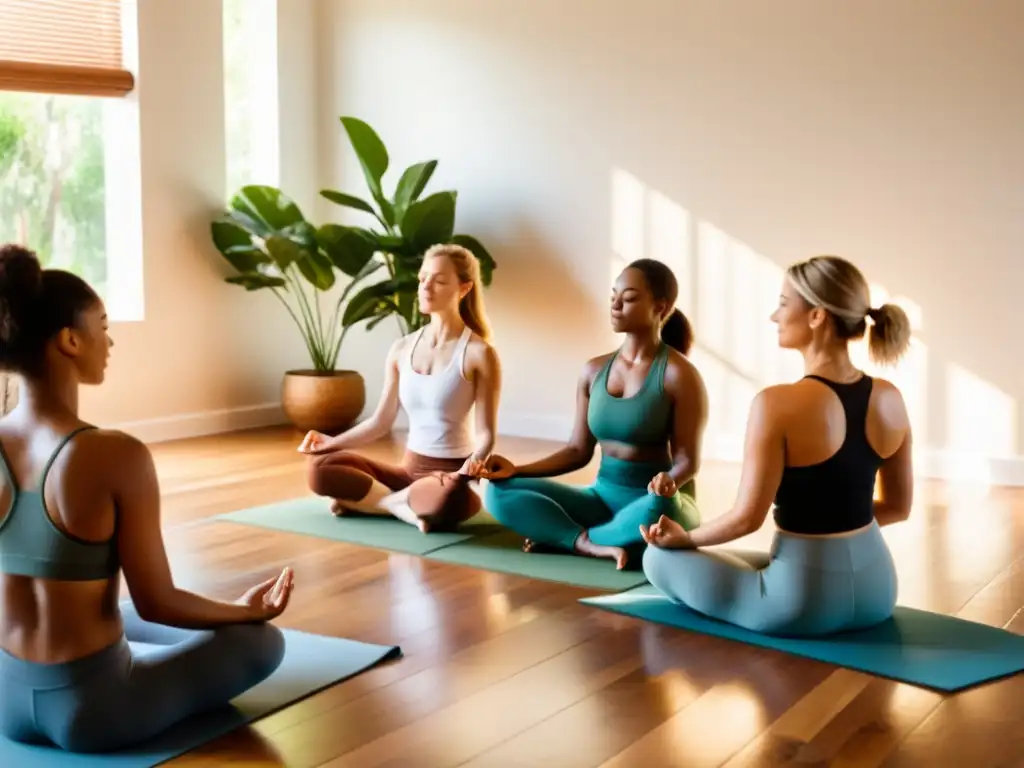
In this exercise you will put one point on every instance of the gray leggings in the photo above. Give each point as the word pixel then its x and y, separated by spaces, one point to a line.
pixel 122 696
pixel 806 586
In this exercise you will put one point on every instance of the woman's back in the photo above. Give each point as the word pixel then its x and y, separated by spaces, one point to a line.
pixel 59 565
pixel 837 437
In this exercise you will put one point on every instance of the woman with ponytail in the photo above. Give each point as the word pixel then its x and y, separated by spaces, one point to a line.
pixel 814 449
pixel 447 378
pixel 646 405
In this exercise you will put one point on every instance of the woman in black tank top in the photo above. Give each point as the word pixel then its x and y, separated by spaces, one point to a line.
pixel 814 450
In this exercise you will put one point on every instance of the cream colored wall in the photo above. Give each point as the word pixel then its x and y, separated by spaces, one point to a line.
pixel 728 138
pixel 207 356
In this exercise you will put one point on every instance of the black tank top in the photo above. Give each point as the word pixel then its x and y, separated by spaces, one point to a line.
pixel 836 495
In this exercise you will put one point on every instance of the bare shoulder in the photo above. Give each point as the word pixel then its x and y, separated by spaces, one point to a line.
pixel 887 401
pixel 593 367
pixel 400 346
pixel 680 372
pixel 481 354
pixel 112 454
pixel 120 448
pixel 776 402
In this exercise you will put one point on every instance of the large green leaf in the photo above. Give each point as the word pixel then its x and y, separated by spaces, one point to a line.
pixel 252 281
pixel 409 187
pixel 317 269
pixel 348 248
pixel 372 154
pixel 374 298
pixel 350 201
pixel 268 207
pixel 246 258
pixel 302 234
pixel 431 220
pixel 236 245
pixel 284 252
pixel 474 246
pixel 244 221
pixel 227 233
pixel 368 269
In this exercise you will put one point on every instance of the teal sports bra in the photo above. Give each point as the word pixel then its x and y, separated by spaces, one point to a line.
pixel 645 419
pixel 32 545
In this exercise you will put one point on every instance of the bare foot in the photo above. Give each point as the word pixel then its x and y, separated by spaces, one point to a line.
pixel 423 525
pixel 529 545
pixel 585 546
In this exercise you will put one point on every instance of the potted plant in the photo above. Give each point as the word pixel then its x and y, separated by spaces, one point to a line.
pixel 271 246
pixel 409 225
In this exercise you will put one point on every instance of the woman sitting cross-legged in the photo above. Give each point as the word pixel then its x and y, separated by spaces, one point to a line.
pixel 646 405
pixel 815 447
pixel 444 375
pixel 79 506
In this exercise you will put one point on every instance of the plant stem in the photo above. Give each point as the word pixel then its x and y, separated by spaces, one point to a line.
pixel 291 312
pixel 311 336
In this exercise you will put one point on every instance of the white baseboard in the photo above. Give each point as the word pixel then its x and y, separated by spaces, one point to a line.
pixel 929 463
pixel 204 423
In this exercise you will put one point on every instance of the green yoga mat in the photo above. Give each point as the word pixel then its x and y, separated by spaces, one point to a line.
pixel 311 663
pixel 930 650
pixel 502 552
pixel 480 543
pixel 311 516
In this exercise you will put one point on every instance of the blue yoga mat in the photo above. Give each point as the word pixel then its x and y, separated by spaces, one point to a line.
pixel 930 650
pixel 311 663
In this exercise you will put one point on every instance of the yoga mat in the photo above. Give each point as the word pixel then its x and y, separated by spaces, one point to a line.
pixel 311 516
pixel 930 650
pixel 311 663
pixel 502 552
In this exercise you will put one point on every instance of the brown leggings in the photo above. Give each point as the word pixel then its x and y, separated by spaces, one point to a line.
pixel 437 492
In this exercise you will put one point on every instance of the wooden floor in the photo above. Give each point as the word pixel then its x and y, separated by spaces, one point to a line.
pixel 504 671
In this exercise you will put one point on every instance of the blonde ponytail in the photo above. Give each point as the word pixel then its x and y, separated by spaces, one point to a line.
pixel 890 334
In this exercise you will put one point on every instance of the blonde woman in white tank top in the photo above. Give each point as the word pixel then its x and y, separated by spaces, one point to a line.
pixel 447 378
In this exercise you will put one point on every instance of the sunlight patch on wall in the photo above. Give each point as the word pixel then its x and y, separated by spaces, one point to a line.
pixel 627 216
pixel 982 418
pixel 669 228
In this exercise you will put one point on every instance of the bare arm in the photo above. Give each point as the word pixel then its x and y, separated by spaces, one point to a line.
pixel 764 458
pixel 897 485
pixel 141 548
pixel 578 452
pixel 379 424
pixel 690 417
pixel 487 371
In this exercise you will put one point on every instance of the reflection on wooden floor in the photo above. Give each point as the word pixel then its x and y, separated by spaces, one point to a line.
pixel 503 671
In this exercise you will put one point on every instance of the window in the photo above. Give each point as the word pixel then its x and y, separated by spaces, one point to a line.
pixel 66 95
pixel 250 94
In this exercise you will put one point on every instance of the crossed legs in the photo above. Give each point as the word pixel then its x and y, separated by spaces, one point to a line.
pixel 427 492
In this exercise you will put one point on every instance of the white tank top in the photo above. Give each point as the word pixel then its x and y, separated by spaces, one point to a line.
pixel 439 406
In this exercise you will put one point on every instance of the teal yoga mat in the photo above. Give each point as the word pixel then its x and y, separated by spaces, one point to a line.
pixel 311 516
pixel 503 553
pixel 930 650
pixel 479 543
pixel 311 663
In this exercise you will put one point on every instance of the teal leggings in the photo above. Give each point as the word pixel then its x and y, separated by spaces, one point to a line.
pixel 806 586
pixel 611 510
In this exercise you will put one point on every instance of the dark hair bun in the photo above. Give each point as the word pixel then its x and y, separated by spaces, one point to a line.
pixel 21 283
pixel 677 332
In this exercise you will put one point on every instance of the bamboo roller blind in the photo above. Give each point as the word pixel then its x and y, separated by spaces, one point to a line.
pixel 63 46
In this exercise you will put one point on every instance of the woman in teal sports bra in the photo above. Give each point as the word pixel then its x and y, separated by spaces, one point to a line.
pixel 79 506
pixel 646 406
